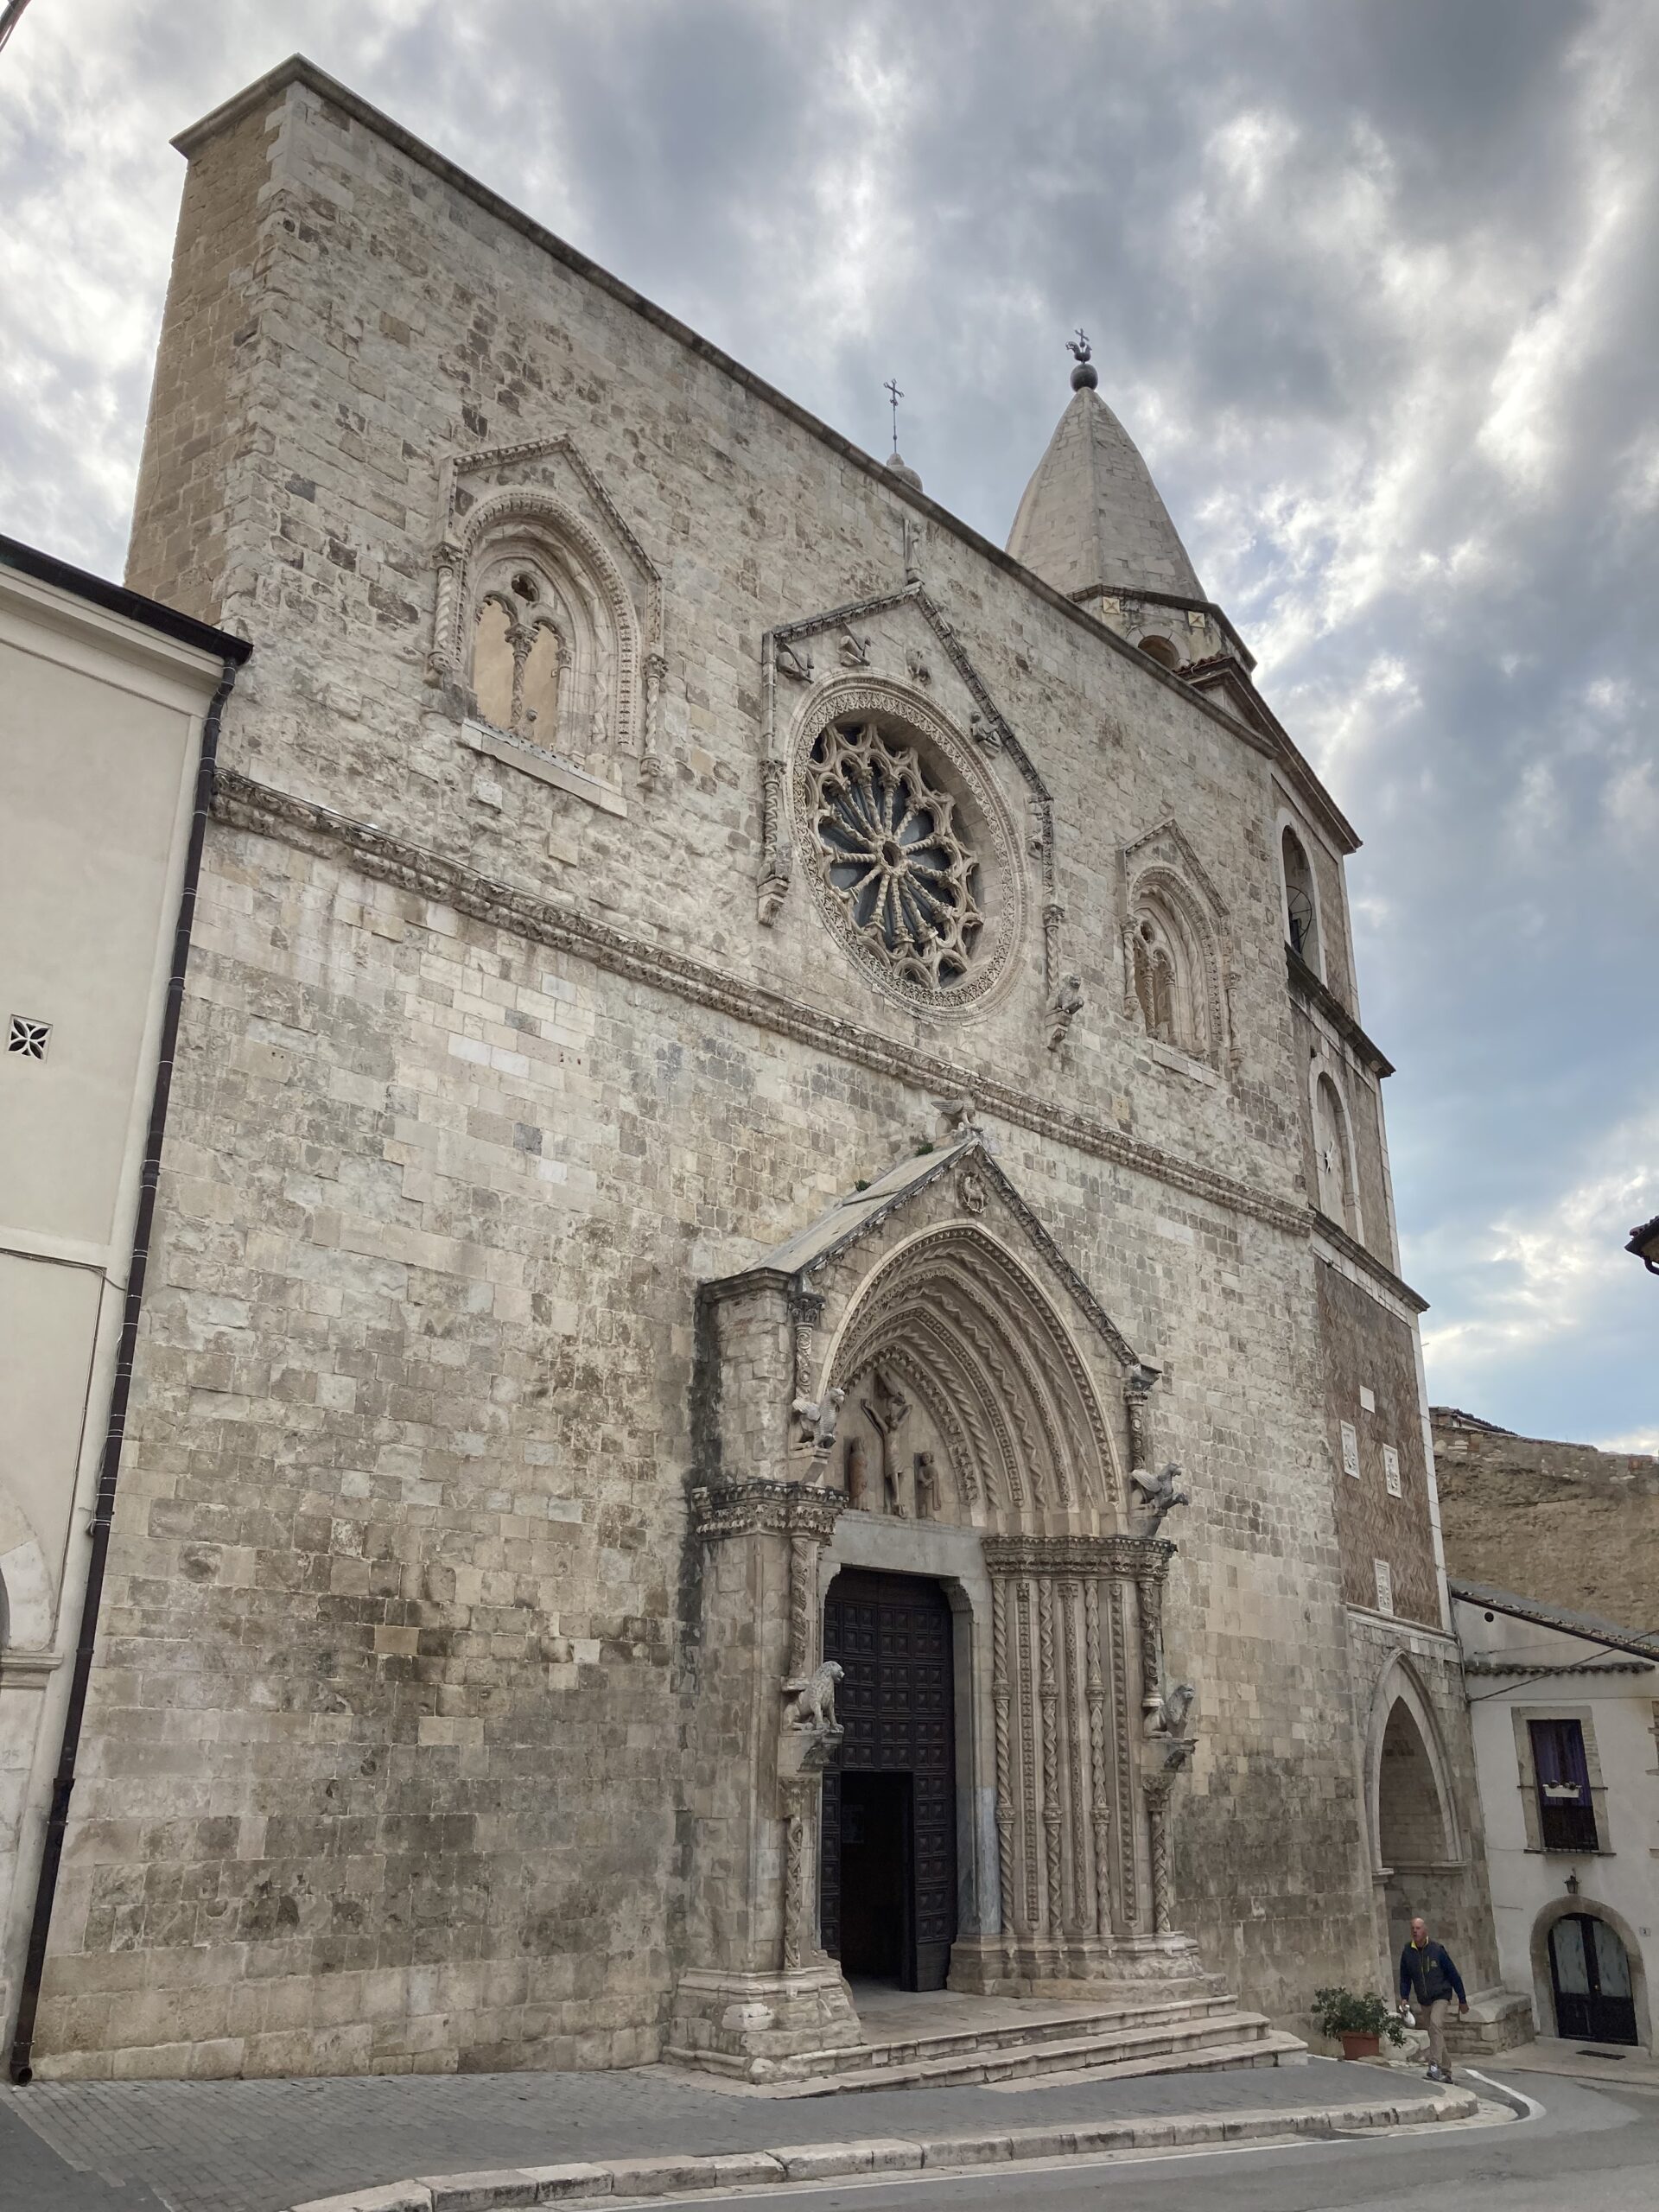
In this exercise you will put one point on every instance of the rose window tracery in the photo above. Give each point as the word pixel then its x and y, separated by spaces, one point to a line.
pixel 895 854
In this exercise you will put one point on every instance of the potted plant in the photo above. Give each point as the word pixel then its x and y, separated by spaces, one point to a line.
pixel 1358 2023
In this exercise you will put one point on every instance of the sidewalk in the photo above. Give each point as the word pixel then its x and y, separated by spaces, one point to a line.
pixel 1620 2066
pixel 262 2146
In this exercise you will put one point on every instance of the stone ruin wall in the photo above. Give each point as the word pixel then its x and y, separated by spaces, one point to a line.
pixel 1563 1523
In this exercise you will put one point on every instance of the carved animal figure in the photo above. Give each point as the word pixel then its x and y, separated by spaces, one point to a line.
pixel 818 1416
pixel 1178 1708
pixel 1159 1495
pixel 816 1705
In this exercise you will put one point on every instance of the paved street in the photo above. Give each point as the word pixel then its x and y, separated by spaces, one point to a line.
pixel 257 2146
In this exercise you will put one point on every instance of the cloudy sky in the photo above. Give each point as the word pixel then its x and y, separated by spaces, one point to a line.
pixel 1375 284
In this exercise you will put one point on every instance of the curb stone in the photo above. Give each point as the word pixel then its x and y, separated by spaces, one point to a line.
pixel 800 2162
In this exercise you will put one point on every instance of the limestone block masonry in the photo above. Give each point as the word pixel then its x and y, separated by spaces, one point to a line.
pixel 552 1286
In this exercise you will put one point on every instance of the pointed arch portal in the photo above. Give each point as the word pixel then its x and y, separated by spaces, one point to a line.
pixel 916 1401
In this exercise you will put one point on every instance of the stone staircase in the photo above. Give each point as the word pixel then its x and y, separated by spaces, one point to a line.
pixel 1047 2042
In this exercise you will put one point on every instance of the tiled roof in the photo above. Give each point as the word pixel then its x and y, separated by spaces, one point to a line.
pixel 1645 1643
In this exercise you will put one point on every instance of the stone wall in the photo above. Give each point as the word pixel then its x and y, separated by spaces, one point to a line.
pixel 392 1745
pixel 1563 1523
pixel 1370 1354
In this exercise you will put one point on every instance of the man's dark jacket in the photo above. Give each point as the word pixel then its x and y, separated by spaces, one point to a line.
pixel 1429 1975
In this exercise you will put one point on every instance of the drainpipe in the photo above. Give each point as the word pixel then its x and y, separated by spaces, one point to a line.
pixel 110 1462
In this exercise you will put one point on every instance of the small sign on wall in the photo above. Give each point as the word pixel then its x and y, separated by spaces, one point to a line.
pixel 1385 1586
pixel 1391 1470
pixel 1351 1450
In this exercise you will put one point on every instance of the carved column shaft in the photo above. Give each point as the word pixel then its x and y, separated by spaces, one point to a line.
pixel 1074 1718
pixel 1163 1886
pixel 1150 1592
pixel 1136 1390
pixel 1127 1884
pixel 1000 1696
pixel 1048 1698
pixel 800 1937
pixel 1099 1805
pixel 803 1605
pixel 1026 1602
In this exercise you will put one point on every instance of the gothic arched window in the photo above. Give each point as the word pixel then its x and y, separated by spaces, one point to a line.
pixel 1334 1156
pixel 1302 905
pixel 519 654
pixel 1173 968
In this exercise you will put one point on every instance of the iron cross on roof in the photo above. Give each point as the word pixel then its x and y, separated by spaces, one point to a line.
pixel 894 396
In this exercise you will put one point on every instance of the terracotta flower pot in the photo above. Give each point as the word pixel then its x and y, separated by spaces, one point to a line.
pixel 1357 2045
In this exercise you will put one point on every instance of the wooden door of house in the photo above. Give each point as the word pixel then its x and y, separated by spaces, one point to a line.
pixel 888 1878
pixel 1590 1970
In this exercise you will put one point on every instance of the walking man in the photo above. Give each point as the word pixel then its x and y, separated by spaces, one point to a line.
pixel 1428 1981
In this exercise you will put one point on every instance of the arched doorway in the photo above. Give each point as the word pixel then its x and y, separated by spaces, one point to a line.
pixel 887 1894
pixel 1413 1830
pixel 1591 1985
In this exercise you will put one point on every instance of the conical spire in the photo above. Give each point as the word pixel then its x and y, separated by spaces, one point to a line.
pixel 1091 517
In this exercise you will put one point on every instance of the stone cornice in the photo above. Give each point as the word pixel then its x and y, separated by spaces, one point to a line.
pixel 1306 985
pixel 1140 1559
pixel 297 69
pixel 739 1509
pixel 1355 1253
pixel 242 804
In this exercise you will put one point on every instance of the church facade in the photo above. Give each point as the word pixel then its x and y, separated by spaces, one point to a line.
pixel 774 1350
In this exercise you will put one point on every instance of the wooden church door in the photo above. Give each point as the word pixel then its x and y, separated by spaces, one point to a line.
pixel 887 1893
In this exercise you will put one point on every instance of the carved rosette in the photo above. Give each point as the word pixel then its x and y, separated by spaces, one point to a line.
pixel 930 903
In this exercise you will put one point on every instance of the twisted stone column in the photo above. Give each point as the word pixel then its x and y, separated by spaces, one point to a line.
pixel 1000 1697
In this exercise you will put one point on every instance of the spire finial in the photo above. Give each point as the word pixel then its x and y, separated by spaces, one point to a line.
pixel 896 461
pixel 1084 375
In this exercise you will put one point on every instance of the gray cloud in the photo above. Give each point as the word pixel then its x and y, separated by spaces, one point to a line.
pixel 1374 286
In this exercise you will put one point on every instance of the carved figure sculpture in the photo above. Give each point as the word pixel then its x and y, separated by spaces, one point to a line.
pixel 857 1468
pixel 887 1409
pixel 815 1707
pixel 1159 1495
pixel 1062 1009
pixel 927 1487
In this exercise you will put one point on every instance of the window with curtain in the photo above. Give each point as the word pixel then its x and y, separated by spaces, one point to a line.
pixel 1567 1813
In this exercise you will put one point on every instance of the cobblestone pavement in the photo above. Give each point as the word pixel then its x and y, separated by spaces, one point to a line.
pixel 257 2146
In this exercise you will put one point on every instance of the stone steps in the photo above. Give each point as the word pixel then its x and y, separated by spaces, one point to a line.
pixel 1193 2033
pixel 1170 2047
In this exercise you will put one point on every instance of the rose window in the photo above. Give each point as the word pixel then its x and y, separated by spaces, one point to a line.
pixel 894 858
